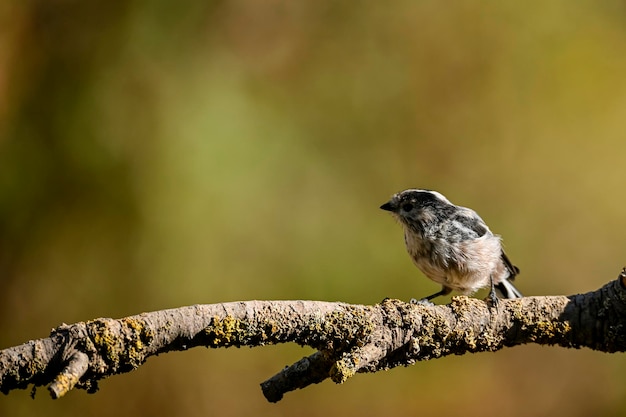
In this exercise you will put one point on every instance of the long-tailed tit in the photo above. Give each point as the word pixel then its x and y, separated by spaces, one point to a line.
pixel 452 245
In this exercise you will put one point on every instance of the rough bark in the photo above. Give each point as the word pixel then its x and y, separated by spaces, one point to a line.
pixel 349 338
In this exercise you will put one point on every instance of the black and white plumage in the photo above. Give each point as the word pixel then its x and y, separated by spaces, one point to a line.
pixel 452 245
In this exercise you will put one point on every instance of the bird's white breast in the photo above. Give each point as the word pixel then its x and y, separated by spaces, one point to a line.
pixel 463 266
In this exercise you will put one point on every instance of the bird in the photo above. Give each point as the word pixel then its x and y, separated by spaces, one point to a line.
pixel 452 245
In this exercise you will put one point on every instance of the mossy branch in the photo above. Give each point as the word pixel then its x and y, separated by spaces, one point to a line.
pixel 349 338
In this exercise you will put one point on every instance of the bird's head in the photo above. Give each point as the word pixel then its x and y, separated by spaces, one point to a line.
pixel 415 207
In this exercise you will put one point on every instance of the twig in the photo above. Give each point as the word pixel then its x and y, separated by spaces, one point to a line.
pixel 349 338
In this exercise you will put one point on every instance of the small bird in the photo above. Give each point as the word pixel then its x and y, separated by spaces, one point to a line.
pixel 452 245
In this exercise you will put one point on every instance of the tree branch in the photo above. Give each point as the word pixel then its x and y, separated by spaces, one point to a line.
pixel 349 338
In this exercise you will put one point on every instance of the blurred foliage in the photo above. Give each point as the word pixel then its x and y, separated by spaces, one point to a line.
pixel 160 154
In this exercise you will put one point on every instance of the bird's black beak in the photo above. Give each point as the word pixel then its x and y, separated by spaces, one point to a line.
pixel 388 206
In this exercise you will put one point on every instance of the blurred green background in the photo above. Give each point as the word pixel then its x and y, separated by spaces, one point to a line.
pixel 162 154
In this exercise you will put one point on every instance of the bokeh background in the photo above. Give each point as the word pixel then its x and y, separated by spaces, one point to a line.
pixel 162 154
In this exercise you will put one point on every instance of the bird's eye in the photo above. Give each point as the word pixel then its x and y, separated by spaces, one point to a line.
pixel 407 207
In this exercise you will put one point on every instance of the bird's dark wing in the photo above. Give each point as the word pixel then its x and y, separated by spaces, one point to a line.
pixel 470 224
pixel 513 270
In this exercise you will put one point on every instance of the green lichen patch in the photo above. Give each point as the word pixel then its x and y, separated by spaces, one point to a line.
pixel 63 384
pixel 463 336
pixel 339 330
pixel 121 343
pixel 138 337
pixel 462 303
pixel 548 332
pixel 37 365
pixel 432 337
pixel 341 371
pixel 106 342
pixel 228 331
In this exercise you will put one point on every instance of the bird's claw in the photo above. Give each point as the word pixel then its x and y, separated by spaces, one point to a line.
pixel 492 300
pixel 423 302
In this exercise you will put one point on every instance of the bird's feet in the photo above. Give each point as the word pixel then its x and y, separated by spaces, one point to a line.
pixel 492 299
pixel 423 302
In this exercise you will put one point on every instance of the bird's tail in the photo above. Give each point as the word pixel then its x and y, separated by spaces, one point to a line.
pixel 506 289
